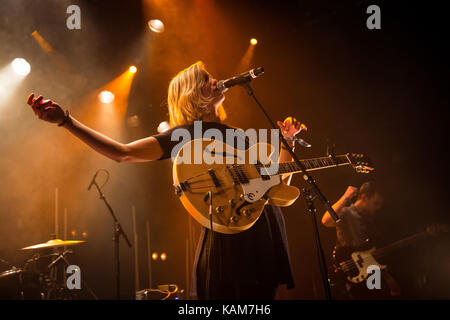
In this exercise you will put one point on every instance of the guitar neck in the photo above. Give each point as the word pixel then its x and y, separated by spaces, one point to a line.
pixel 313 164
pixel 400 244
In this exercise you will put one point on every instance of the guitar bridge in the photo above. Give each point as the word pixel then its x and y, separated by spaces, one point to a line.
pixel 214 178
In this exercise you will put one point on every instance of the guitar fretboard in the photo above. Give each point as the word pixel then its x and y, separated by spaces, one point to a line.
pixel 313 164
pixel 400 244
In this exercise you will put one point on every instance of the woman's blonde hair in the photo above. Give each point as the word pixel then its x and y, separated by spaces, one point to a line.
pixel 185 100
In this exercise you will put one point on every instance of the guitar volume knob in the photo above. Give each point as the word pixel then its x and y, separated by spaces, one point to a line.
pixel 219 209
pixel 234 219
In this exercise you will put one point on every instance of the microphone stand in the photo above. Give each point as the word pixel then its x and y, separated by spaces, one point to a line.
pixel 118 231
pixel 308 194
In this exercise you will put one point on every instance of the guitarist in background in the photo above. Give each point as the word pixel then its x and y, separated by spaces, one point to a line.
pixel 355 229
pixel 246 265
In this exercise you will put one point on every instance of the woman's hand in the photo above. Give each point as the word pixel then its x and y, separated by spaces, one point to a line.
pixel 290 127
pixel 146 149
pixel 46 110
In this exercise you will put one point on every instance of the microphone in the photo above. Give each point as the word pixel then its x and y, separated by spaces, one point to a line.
pixel 302 142
pixel 224 85
pixel 93 181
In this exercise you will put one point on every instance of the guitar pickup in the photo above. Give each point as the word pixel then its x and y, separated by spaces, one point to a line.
pixel 179 188
pixel 262 171
pixel 214 178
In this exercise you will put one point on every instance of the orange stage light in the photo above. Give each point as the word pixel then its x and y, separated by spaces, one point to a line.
pixel 41 41
pixel 253 41
pixel 105 108
pixel 106 96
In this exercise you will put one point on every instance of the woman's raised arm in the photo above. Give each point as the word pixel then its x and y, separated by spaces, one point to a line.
pixel 146 149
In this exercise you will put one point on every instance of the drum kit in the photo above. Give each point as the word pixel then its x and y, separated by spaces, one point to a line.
pixel 42 277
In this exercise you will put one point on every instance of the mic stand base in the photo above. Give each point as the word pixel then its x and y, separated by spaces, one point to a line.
pixel 309 197
pixel 116 239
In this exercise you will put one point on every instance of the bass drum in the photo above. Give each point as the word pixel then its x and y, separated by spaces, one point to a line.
pixel 18 284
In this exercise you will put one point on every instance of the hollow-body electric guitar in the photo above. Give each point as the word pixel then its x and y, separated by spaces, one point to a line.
pixel 238 183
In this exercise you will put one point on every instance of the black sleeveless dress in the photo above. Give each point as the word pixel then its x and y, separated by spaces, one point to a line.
pixel 247 265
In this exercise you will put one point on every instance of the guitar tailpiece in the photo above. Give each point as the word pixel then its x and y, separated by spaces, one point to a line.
pixel 183 186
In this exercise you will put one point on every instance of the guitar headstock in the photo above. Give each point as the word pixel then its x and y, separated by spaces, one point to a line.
pixel 360 162
pixel 437 229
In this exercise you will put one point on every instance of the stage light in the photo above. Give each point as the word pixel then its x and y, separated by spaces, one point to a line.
pixel 253 41
pixel 163 256
pixel 73 233
pixel 106 96
pixel 156 25
pixel 21 66
pixel 133 121
pixel 132 69
pixel 154 256
pixel 163 127
pixel 41 41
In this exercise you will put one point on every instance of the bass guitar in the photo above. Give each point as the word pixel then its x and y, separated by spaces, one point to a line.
pixel 352 263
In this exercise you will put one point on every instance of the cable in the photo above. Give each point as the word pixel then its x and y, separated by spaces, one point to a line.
pixel 211 241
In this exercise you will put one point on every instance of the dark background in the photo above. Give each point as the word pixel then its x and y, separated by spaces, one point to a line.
pixel 380 92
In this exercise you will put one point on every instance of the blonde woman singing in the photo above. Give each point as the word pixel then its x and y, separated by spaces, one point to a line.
pixel 247 265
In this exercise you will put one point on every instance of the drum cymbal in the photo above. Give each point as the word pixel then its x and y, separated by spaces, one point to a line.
pixel 54 243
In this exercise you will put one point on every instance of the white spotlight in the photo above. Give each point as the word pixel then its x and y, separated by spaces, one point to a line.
pixel 156 25
pixel 134 121
pixel 106 97
pixel 163 127
pixel 21 66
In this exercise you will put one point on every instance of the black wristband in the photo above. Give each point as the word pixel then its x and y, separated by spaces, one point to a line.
pixel 66 117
